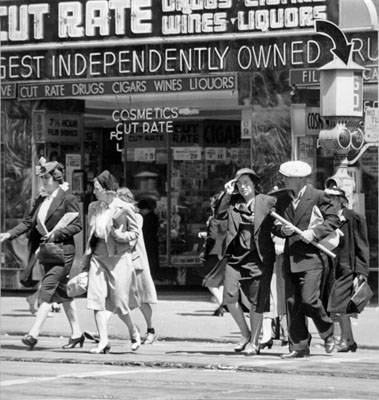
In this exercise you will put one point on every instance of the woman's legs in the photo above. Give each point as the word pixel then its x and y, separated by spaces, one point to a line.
pixel 147 312
pixel 346 330
pixel 133 331
pixel 101 319
pixel 238 316
pixel 72 316
pixel 42 313
pixel 256 327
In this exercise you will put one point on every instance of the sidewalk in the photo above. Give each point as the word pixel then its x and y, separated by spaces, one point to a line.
pixel 189 337
pixel 178 317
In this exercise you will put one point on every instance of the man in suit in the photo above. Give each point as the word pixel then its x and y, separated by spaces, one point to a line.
pixel 304 264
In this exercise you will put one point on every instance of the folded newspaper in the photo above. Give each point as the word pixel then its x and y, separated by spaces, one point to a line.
pixel 62 223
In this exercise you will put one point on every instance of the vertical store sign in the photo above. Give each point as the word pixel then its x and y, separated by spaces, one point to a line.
pixel 246 123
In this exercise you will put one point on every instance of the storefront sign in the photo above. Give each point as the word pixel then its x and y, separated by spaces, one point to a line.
pixel 69 21
pixel 186 153
pixel 215 153
pixel 144 154
pixel 306 77
pixel 96 87
pixel 182 58
pixel 8 91
pixel 73 162
pixel 372 125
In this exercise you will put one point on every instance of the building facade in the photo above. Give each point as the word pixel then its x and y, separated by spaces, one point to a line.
pixel 173 96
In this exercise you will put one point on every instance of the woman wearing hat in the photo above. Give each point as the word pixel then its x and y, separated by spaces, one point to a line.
pixel 41 224
pixel 351 266
pixel 250 252
pixel 113 233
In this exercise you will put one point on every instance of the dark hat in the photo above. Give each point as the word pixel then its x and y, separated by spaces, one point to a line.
pixel 247 171
pixel 107 181
pixel 336 191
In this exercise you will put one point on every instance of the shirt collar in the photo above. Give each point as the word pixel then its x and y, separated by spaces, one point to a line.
pixel 53 194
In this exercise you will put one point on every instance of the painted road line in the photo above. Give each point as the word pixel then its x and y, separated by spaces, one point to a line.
pixel 93 374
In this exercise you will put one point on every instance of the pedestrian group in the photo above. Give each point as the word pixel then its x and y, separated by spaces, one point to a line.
pixel 245 246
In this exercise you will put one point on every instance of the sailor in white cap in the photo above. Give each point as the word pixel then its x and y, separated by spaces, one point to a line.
pixel 303 261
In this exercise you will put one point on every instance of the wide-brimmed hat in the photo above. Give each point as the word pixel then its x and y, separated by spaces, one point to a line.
pixel 295 169
pixel 247 171
pixel 107 181
pixel 47 168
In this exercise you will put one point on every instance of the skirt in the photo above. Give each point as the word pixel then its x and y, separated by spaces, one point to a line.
pixel 54 282
pixel 112 282
pixel 341 291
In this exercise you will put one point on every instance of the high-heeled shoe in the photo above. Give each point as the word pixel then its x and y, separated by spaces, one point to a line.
pixel 98 350
pixel 136 341
pixel 72 342
pixel 267 344
pixel 251 349
pixel 219 312
pixel 241 345
pixel 344 347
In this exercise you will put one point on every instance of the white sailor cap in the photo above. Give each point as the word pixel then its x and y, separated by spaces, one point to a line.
pixel 295 169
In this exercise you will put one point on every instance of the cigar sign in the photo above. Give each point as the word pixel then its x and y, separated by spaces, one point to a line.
pixel 66 21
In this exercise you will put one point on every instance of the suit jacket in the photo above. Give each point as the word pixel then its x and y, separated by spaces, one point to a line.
pixel 353 250
pixel 300 256
pixel 61 204
pixel 263 223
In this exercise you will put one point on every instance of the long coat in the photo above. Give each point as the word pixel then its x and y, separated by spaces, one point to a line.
pixel 263 222
pixel 300 256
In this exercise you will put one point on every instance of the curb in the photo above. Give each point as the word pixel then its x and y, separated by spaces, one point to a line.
pixel 196 366
pixel 174 339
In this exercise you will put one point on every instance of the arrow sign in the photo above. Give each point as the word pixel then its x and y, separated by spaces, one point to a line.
pixel 342 48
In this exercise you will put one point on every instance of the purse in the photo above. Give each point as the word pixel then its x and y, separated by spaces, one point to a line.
pixel 51 253
pixel 77 285
pixel 361 296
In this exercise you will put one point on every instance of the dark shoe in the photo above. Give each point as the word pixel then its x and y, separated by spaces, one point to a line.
pixel 267 344
pixel 219 312
pixel 98 350
pixel 344 347
pixel 72 342
pixel 296 354
pixel 329 344
pixel 29 341
pixel 284 342
pixel 88 335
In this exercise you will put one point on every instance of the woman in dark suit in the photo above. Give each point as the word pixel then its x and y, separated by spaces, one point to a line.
pixel 47 211
pixel 351 266
pixel 250 252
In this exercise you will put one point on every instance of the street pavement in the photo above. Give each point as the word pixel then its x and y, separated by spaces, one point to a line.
pixel 189 337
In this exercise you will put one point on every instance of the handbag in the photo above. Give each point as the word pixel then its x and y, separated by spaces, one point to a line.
pixel 51 253
pixel 77 285
pixel 361 296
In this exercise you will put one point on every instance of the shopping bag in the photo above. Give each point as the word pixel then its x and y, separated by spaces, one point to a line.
pixel 77 285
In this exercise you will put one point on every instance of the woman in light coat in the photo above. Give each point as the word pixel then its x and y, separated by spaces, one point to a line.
pixel 146 288
pixel 113 232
